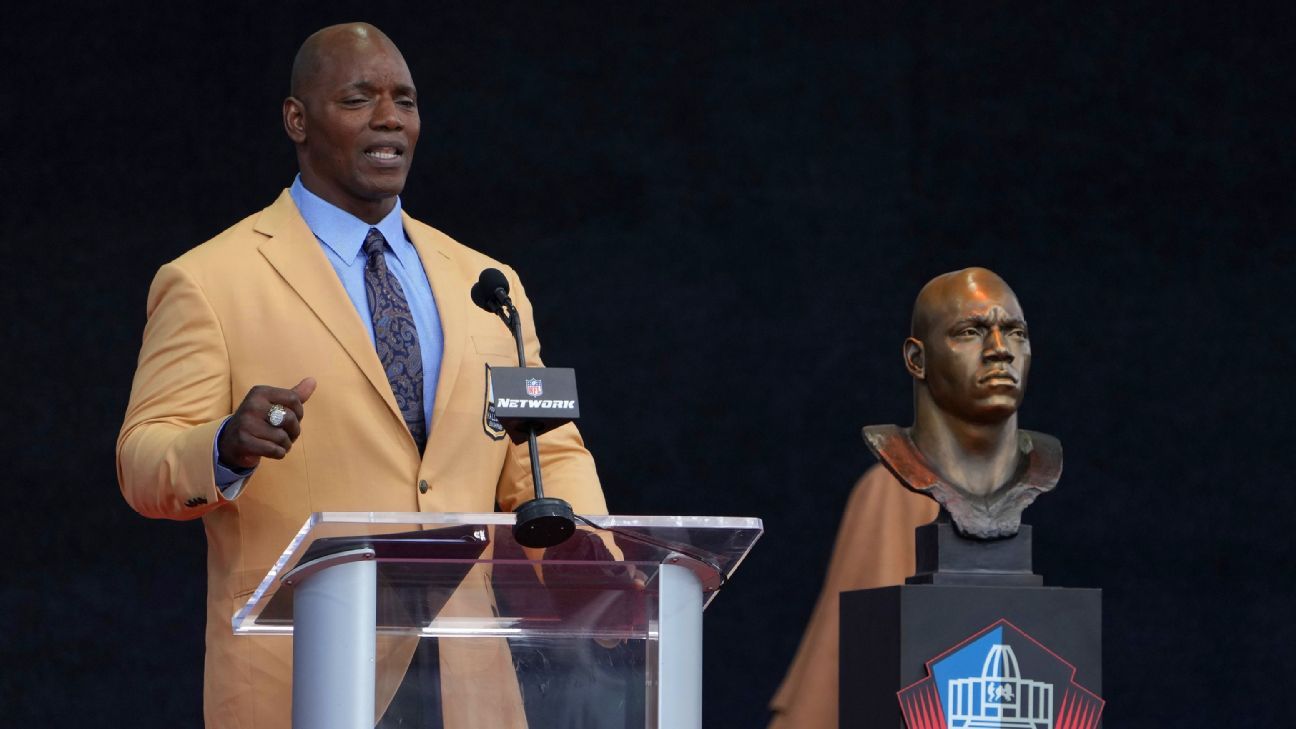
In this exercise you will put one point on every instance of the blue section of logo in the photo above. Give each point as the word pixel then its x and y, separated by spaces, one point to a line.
pixel 964 662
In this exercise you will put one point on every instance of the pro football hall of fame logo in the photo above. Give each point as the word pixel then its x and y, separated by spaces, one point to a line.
pixel 1000 678
pixel 490 422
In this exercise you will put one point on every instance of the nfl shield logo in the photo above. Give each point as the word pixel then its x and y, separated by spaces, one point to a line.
pixel 535 388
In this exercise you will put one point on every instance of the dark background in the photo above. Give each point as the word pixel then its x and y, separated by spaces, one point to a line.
pixel 722 213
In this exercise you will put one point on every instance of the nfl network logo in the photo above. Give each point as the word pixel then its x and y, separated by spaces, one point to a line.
pixel 535 388
pixel 1000 678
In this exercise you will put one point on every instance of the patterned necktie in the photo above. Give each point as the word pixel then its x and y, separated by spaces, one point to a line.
pixel 395 337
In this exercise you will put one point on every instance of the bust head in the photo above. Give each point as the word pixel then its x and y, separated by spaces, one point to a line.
pixel 968 349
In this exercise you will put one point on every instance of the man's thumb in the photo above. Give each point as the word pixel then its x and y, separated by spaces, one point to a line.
pixel 304 388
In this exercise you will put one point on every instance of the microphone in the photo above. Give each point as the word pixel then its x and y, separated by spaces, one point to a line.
pixel 491 292
pixel 542 521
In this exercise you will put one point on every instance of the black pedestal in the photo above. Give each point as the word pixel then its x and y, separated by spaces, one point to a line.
pixel 945 558
pixel 889 634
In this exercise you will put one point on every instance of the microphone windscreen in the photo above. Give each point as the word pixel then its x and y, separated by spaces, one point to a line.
pixel 483 292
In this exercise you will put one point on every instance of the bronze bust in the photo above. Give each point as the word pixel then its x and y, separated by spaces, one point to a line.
pixel 969 353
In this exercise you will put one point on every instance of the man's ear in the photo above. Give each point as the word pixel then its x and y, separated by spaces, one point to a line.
pixel 294 119
pixel 913 358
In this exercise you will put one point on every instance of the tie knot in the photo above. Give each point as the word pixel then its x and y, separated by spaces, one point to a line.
pixel 374 243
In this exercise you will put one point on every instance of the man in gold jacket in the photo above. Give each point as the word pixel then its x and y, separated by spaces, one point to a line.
pixel 216 428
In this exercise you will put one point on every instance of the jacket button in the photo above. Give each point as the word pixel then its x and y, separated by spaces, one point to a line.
pixel 423 487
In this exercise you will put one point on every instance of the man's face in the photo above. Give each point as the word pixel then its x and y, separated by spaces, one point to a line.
pixel 977 352
pixel 359 125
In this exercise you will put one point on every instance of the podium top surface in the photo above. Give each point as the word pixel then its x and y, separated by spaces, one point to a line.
pixel 463 575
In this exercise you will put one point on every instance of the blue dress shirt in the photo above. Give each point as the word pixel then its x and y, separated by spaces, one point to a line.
pixel 341 236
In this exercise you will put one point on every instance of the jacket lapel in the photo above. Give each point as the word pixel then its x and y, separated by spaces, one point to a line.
pixel 294 252
pixel 451 294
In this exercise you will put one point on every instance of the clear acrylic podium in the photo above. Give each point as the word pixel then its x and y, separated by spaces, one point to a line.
pixel 604 630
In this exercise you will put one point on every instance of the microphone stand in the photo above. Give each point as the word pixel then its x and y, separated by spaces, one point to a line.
pixel 540 522
pixel 515 325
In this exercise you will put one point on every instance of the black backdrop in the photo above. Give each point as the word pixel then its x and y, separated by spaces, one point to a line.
pixel 722 213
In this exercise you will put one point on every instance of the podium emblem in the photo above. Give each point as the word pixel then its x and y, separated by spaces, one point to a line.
pixel 1000 678
pixel 534 387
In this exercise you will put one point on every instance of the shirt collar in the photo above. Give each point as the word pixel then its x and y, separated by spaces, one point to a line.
pixel 343 232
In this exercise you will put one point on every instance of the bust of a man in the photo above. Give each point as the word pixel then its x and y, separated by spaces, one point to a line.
pixel 969 352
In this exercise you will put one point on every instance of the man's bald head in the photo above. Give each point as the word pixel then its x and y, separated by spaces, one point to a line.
pixel 353 116
pixel 952 292
pixel 323 45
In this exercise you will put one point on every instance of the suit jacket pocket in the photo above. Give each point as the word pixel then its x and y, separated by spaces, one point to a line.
pixel 498 351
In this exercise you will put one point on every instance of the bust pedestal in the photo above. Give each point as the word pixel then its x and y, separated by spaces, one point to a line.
pixel 967 597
